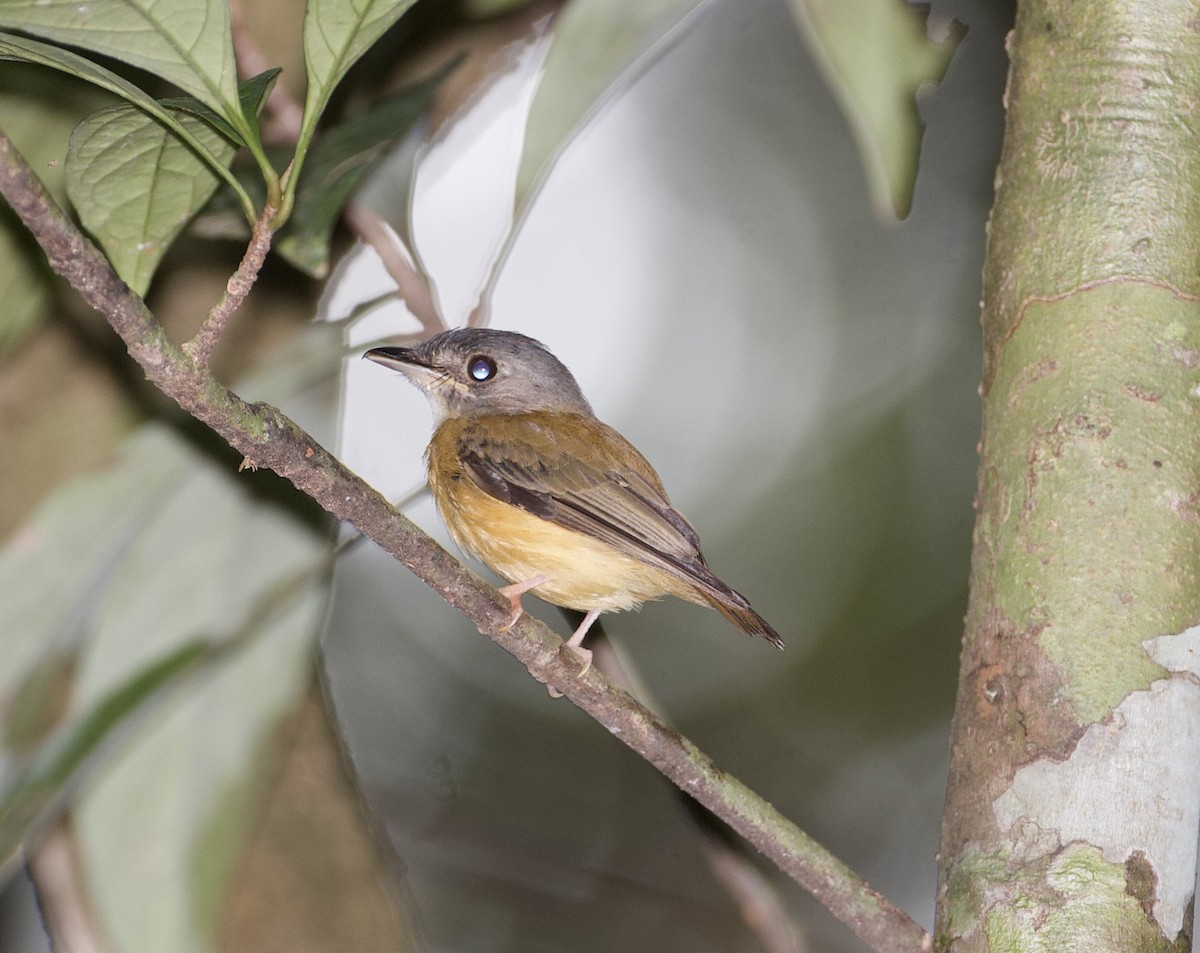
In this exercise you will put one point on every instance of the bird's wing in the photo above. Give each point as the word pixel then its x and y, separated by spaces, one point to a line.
pixel 604 488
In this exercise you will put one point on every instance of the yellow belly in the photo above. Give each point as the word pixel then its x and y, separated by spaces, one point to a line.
pixel 584 573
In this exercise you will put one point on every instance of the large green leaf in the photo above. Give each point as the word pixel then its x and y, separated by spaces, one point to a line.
pixel 115 589
pixel 186 42
pixel 876 55
pixel 135 184
pixel 25 50
pixel 31 791
pixel 51 568
pixel 336 34
pixel 51 572
pixel 337 164
pixel 596 45
pixel 160 831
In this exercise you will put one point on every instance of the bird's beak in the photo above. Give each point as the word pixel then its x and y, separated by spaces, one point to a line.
pixel 397 358
pixel 404 360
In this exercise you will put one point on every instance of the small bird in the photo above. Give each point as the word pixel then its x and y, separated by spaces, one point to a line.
pixel 529 482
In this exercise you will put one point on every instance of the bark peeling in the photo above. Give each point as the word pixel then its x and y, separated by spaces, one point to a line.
pixel 1137 822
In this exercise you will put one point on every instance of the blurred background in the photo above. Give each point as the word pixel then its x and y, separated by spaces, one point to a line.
pixel 706 258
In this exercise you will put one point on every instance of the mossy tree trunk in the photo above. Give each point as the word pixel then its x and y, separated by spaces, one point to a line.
pixel 1074 797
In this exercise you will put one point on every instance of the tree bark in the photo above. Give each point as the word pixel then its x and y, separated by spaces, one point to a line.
pixel 1074 796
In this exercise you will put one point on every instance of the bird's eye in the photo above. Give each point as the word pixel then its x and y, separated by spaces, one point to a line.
pixel 481 368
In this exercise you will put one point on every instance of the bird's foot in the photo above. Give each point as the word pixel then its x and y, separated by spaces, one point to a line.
pixel 514 592
pixel 575 645
pixel 575 642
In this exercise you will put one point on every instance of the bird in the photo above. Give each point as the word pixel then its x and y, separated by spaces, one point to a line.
pixel 533 485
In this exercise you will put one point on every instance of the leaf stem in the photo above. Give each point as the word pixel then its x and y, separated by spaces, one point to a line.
pixel 412 284
pixel 291 175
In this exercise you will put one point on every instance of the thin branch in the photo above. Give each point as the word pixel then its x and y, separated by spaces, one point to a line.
pixel 756 898
pixel 412 285
pixel 201 346
pixel 268 438
pixel 54 869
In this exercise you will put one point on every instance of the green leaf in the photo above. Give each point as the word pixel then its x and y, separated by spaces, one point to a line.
pixel 49 567
pixel 597 44
pixel 337 164
pixel 120 585
pixel 876 55
pixel 336 34
pixel 186 42
pixel 135 184
pixel 252 93
pixel 27 800
pixel 31 51
pixel 159 833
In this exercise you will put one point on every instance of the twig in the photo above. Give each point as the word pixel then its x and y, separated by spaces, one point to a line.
pixel 54 868
pixel 412 286
pixel 756 899
pixel 270 439
pixel 200 347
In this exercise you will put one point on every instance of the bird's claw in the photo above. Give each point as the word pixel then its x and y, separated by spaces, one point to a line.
pixel 513 593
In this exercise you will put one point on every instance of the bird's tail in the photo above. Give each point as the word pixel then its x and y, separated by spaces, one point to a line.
pixel 737 610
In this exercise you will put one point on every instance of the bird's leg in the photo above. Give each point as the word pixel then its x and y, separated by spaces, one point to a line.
pixel 575 642
pixel 514 592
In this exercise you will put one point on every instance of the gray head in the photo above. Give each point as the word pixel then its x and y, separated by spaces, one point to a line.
pixel 475 372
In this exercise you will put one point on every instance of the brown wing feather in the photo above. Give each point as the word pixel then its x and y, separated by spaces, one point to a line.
pixel 604 488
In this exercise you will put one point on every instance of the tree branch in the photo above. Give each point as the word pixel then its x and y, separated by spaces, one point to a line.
pixel 268 438
pixel 200 347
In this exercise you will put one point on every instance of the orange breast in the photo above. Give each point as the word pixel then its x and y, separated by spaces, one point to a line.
pixel 584 573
